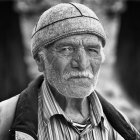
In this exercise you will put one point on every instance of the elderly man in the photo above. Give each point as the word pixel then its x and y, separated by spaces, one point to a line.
pixel 67 44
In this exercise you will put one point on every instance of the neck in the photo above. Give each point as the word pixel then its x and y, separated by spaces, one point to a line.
pixel 76 105
pixel 76 109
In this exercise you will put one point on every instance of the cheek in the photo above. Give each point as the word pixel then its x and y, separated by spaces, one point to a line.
pixel 95 64
pixel 58 63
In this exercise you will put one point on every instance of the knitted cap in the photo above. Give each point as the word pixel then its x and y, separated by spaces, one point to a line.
pixel 64 20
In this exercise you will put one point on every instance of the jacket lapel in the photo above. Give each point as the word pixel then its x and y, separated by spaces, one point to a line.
pixel 26 116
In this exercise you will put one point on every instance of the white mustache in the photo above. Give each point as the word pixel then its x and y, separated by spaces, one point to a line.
pixel 86 74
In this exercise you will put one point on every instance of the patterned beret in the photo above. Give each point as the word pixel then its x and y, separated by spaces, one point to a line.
pixel 64 20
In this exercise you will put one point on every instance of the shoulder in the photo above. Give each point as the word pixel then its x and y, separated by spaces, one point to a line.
pixel 118 120
pixel 132 126
pixel 122 130
pixel 135 131
pixel 124 125
pixel 7 111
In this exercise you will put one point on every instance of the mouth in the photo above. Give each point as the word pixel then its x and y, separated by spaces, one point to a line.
pixel 79 79
pixel 79 75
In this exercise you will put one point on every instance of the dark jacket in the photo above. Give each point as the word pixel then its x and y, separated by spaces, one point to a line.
pixel 26 115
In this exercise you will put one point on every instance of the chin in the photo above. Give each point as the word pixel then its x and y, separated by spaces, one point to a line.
pixel 80 92
pixel 74 88
pixel 76 91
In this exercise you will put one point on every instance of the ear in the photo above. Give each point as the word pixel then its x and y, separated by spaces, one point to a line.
pixel 40 63
pixel 103 55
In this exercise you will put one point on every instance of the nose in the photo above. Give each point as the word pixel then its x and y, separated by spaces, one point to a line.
pixel 80 59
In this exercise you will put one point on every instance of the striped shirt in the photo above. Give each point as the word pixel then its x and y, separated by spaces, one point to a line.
pixel 53 124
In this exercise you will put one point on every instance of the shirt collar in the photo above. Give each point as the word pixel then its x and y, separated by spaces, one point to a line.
pixel 96 111
pixel 97 115
pixel 51 107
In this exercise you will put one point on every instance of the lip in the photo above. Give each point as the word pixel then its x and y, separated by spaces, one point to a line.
pixel 78 77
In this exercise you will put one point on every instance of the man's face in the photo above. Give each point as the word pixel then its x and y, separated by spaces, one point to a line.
pixel 72 64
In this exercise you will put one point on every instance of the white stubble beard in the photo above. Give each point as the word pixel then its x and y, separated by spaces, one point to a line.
pixel 67 88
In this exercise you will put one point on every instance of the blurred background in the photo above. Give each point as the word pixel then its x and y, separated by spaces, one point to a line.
pixel 119 80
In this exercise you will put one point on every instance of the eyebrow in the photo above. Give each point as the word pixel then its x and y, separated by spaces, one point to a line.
pixel 73 43
pixel 63 44
pixel 98 46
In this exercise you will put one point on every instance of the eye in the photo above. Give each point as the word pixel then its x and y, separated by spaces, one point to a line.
pixel 66 50
pixel 93 50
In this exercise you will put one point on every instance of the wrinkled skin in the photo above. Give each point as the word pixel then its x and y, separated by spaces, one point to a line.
pixel 71 65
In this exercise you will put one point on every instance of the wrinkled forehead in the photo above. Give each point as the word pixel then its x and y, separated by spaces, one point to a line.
pixel 78 40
